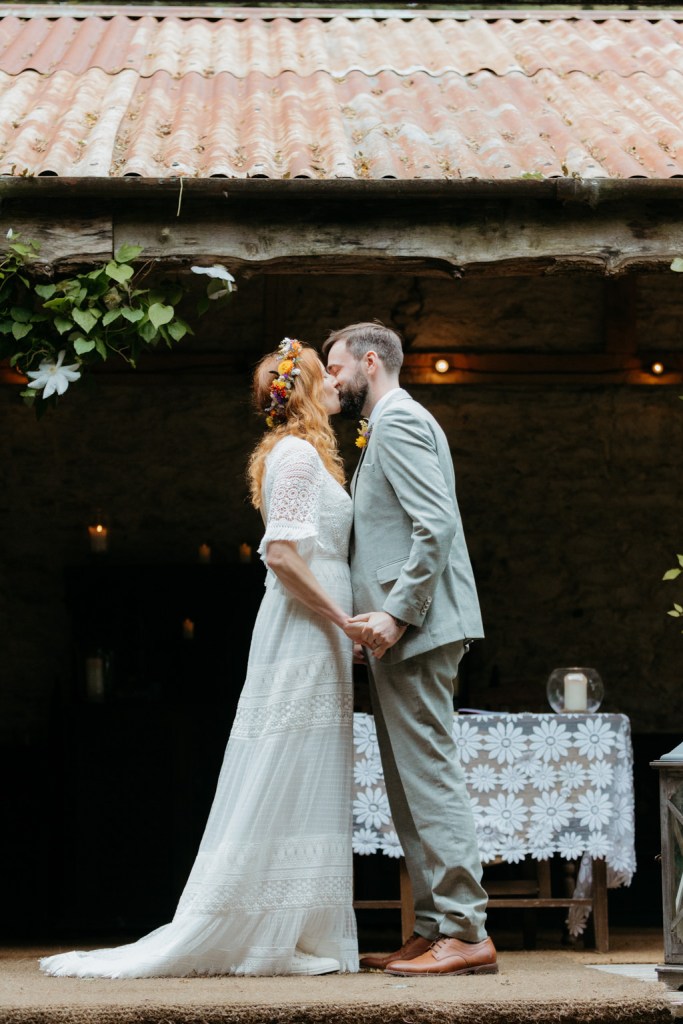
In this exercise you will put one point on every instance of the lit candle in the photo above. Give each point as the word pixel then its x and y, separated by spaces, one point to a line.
pixel 98 537
pixel 188 629
pixel 245 552
pixel 94 678
pixel 204 553
pixel 575 691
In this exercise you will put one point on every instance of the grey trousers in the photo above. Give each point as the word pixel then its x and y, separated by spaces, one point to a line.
pixel 412 703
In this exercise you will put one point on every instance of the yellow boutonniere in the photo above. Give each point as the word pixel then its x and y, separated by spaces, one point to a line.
pixel 363 433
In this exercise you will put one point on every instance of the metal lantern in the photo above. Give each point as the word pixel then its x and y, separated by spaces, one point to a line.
pixel 671 815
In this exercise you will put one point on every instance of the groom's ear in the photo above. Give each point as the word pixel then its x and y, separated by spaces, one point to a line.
pixel 372 360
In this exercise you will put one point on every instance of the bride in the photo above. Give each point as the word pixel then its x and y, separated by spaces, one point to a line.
pixel 270 891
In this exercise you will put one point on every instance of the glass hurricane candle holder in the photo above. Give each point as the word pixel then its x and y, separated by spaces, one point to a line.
pixel 575 690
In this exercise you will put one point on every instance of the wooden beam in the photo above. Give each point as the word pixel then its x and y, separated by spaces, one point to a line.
pixel 479 238
pixel 532 368
pixel 446 243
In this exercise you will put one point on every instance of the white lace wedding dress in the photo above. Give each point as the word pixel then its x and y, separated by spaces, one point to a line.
pixel 274 867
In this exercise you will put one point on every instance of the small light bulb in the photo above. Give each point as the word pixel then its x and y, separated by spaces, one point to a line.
pixel 442 366
pixel 657 368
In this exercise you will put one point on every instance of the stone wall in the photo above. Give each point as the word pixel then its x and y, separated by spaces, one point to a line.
pixel 570 494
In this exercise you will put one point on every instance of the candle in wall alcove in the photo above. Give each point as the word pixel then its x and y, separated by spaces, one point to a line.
pixel 98 537
pixel 204 553
pixel 575 691
pixel 245 552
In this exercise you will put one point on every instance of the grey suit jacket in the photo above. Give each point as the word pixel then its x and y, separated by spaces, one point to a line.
pixel 408 550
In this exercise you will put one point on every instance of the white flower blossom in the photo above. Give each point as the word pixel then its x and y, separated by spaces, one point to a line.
pixel 482 778
pixel 364 841
pixel 570 845
pixel 623 776
pixel 505 742
pixel 51 376
pixel 10 234
pixel 223 274
pixel 390 845
pixel 367 772
pixel 551 740
pixel 513 850
pixel 622 823
pixel 372 808
pixel 467 739
pixel 513 778
pixel 594 739
pixel 552 809
pixel 571 774
pixel 540 839
pixel 593 809
pixel 598 845
pixel 600 774
pixel 543 775
pixel 508 812
pixel 365 736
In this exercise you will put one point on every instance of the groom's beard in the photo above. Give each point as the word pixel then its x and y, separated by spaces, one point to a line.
pixel 352 398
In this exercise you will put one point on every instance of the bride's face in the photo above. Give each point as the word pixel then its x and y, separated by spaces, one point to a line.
pixel 330 393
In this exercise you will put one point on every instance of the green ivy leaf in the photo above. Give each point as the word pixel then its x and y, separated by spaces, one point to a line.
pixel 120 272
pixel 160 314
pixel 677 264
pixel 132 315
pixel 679 608
pixel 85 319
pixel 20 315
pixel 672 574
pixel 101 348
pixel 127 253
pixel 6 326
pixel 83 345
pixel 177 330
pixel 680 559
pixel 147 331
pixel 674 615
pixel 62 324
pixel 110 316
pixel 45 291
pixel 20 330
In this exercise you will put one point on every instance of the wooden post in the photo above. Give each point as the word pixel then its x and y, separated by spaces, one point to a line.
pixel 407 905
pixel 600 922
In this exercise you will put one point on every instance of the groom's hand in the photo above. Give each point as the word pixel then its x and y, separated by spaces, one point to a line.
pixel 380 631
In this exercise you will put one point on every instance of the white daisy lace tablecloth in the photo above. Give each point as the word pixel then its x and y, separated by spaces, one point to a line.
pixel 540 785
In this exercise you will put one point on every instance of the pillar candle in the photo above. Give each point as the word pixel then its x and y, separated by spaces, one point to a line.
pixel 575 691
pixel 98 537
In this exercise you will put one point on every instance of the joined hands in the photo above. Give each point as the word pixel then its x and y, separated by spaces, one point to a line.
pixel 375 632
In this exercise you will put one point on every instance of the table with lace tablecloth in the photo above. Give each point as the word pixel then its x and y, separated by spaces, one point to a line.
pixel 541 785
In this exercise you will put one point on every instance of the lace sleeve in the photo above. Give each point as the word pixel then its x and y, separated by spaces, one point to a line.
pixel 294 476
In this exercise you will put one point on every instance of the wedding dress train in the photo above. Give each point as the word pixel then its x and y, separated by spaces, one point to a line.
pixel 272 881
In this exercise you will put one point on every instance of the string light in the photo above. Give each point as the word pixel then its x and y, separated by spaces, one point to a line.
pixel 657 368
pixel 442 366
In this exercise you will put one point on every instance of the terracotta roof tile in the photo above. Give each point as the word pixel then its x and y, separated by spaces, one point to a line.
pixel 360 98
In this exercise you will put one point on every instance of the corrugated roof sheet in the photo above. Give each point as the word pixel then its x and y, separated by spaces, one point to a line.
pixel 356 98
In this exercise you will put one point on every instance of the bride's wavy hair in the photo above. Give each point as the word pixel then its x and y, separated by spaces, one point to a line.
pixel 305 417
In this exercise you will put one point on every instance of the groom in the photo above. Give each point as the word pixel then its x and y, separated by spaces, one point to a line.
pixel 417 607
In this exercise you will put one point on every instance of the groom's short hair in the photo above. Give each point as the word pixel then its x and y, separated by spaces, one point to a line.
pixel 361 338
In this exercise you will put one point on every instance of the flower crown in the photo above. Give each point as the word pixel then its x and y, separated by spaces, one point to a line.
pixel 287 371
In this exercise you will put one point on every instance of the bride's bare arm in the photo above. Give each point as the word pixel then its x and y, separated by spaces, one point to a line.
pixel 293 572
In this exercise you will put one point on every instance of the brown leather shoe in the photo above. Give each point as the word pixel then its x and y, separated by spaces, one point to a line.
pixel 412 947
pixel 449 956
